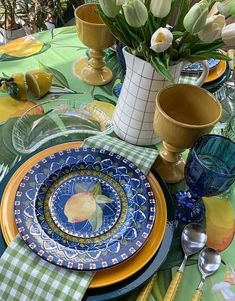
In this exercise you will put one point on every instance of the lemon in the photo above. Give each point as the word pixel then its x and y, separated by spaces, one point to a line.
pixel 80 207
pixel 39 82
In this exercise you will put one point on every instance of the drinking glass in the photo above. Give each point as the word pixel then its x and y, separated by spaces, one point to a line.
pixel 226 96
pixel 183 114
pixel 95 34
pixel 209 171
pixel 229 131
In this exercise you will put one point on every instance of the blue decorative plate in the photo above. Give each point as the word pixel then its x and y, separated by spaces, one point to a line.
pixel 198 67
pixel 85 209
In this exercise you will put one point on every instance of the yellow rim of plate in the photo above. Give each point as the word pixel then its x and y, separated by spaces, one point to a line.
pixel 216 72
pixel 104 277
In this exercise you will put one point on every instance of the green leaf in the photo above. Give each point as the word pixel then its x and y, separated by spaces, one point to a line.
pixel 102 199
pixel 183 10
pixel 150 24
pixel 147 3
pixel 58 78
pixel 95 189
pixel 5 75
pixel 208 55
pixel 80 187
pixel 203 47
pixel 177 34
pixel 55 89
pixel 13 90
pixel 93 221
pixel 114 28
pixel 161 68
pixel 166 59
pixel 96 219
pixel 184 50
pixel 129 31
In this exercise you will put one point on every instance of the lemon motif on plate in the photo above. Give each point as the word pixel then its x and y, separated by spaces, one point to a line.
pixel 23 47
pixel 85 206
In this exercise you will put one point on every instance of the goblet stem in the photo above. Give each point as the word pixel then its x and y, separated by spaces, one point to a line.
pixel 169 164
pixel 94 71
pixel 189 207
pixel 171 153
pixel 96 60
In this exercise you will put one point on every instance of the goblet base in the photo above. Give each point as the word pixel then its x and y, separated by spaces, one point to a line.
pixel 171 172
pixel 188 208
pixel 96 77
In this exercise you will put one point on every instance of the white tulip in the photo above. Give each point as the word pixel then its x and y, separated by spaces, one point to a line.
pixel 161 40
pixel 213 29
pixel 195 19
pixel 160 8
pixel 228 35
pixel 225 7
pixel 120 2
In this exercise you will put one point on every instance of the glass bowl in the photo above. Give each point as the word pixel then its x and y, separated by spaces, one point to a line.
pixel 54 122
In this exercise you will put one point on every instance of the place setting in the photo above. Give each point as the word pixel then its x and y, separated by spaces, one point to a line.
pixel 158 225
pixel 114 182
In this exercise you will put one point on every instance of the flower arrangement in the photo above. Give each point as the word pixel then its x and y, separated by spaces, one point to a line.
pixel 144 27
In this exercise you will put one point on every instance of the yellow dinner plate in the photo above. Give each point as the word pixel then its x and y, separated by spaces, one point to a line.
pixel 104 277
pixel 216 72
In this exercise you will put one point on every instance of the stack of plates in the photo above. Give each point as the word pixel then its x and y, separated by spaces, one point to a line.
pixel 88 209
pixel 219 73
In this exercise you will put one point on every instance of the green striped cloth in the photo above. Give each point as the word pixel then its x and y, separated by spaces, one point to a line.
pixel 24 276
pixel 143 157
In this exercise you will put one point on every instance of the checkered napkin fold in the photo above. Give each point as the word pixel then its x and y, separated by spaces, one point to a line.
pixel 24 276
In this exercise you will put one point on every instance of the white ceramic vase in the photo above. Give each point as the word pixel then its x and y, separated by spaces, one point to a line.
pixel 7 35
pixel 134 113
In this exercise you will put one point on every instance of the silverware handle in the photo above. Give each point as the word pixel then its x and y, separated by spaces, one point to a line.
pixel 173 287
pixel 146 290
pixel 197 295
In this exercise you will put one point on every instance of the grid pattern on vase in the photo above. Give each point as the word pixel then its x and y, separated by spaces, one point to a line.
pixel 134 114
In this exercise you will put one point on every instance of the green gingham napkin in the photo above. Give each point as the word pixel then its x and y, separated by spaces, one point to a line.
pixel 143 157
pixel 24 276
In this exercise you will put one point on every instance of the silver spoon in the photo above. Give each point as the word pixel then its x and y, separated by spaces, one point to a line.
pixel 193 239
pixel 208 263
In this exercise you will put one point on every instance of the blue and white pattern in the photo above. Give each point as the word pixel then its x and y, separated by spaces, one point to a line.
pixel 127 209
pixel 110 212
pixel 198 67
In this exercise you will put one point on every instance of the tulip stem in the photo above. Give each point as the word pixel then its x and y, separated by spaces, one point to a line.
pixel 143 34
pixel 123 32
pixel 184 38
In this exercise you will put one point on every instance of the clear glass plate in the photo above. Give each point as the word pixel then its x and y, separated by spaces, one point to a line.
pixel 57 122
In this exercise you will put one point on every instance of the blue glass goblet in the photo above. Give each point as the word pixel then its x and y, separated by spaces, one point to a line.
pixel 209 171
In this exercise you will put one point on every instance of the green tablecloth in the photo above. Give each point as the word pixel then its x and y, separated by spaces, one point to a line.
pixel 56 51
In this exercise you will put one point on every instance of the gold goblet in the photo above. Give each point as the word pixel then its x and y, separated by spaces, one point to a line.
pixel 93 32
pixel 183 114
